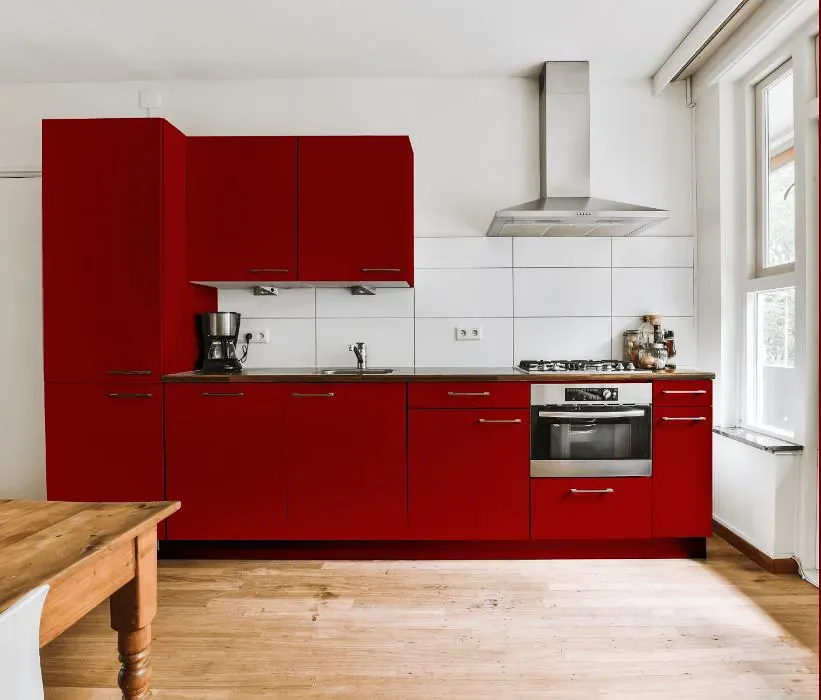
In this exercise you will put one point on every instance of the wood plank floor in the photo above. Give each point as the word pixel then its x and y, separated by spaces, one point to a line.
pixel 625 630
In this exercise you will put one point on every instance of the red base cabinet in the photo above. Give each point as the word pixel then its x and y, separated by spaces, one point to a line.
pixel 225 459
pixel 682 471
pixel 468 474
pixel 346 471
pixel 590 508
pixel 105 442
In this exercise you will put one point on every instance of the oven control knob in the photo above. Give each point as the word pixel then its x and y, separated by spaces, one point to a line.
pixel 619 366
pixel 606 394
pixel 630 366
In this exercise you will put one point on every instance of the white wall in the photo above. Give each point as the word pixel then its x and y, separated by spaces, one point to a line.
pixel 475 144
pixel 533 298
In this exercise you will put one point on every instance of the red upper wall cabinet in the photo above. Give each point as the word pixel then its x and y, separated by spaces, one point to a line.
pixel 356 209
pixel 117 304
pixel 242 208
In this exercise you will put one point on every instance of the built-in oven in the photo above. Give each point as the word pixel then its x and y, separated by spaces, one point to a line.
pixel 591 429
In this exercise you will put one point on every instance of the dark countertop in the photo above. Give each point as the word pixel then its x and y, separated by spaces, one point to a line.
pixel 433 374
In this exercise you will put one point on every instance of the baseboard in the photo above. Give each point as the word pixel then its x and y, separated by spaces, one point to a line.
pixel 785 565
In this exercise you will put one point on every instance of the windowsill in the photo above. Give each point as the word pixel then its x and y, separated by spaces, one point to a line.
pixel 760 441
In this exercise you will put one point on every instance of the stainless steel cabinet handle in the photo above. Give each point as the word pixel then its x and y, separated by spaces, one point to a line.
pixel 129 371
pixel 602 414
pixel 592 491
pixel 491 420
pixel 209 393
pixel 381 269
pixel 683 391
pixel 468 393
pixel 116 395
pixel 694 419
pixel 310 396
pixel 267 269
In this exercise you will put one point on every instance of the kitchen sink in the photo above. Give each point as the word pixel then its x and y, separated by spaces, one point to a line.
pixel 352 371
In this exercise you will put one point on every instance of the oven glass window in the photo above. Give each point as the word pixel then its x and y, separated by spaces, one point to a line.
pixel 578 432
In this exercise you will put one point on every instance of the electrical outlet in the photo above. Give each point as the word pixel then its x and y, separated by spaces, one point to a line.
pixel 468 332
pixel 258 335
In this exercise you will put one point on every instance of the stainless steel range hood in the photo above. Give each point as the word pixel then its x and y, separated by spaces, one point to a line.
pixel 565 207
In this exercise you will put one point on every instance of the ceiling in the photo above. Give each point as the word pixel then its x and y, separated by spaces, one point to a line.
pixel 110 40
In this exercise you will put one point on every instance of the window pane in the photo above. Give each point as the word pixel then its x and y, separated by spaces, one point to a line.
pixel 775 359
pixel 779 233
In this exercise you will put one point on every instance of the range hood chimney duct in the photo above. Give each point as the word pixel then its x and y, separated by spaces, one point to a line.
pixel 565 207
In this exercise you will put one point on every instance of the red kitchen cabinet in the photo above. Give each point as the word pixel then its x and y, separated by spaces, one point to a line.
pixel 225 460
pixel 105 442
pixel 469 395
pixel 682 393
pixel 682 471
pixel 242 208
pixel 468 474
pixel 346 470
pixel 117 304
pixel 590 508
pixel 356 209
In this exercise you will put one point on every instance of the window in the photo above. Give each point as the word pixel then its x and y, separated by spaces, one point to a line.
pixel 771 322
pixel 775 160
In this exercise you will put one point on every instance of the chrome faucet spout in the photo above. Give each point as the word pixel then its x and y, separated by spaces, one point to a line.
pixel 360 349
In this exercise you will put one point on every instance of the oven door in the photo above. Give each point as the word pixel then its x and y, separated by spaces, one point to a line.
pixel 590 440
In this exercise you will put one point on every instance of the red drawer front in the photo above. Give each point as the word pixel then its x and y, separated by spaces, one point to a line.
pixel 469 395
pixel 620 510
pixel 676 393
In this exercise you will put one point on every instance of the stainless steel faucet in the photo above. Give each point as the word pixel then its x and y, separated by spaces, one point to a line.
pixel 361 351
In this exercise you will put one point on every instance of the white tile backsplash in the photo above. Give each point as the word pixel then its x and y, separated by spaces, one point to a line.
pixel 479 293
pixel 289 303
pixel 386 303
pixel 436 344
pixel 672 251
pixel 389 340
pixel 291 342
pixel 665 291
pixel 561 338
pixel 561 291
pixel 561 252
pixel 479 251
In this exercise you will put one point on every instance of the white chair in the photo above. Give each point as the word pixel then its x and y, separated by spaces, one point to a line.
pixel 20 675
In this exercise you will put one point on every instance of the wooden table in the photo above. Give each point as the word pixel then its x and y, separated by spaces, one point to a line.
pixel 87 552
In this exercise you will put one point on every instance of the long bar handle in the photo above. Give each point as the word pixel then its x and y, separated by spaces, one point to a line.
pixel 694 419
pixel 129 371
pixel 597 414
pixel 267 269
pixel 492 420
pixel 215 393
pixel 468 393
pixel 309 396
pixel 592 491
pixel 683 391
pixel 117 395
pixel 381 269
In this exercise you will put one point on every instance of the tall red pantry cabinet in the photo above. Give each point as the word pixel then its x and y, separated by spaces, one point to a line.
pixel 116 293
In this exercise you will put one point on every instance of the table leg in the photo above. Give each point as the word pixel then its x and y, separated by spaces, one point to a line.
pixel 133 608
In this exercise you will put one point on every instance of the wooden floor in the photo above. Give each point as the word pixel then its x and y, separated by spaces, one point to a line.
pixel 530 629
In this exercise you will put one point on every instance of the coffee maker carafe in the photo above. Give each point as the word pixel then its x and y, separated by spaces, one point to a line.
pixel 220 332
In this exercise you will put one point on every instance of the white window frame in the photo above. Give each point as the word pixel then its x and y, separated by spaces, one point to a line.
pixel 762 169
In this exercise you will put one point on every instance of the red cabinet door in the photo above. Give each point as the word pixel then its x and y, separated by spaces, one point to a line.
pixel 356 208
pixel 346 472
pixel 104 442
pixel 102 240
pixel 682 393
pixel 225 453
pixel 468 474
pixel 682 472
pixel 590 508
pixel 242 208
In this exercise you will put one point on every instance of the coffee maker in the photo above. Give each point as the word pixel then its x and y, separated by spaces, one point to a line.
pixel 220 332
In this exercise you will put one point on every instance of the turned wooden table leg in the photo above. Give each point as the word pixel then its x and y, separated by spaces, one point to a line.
pixel 133 608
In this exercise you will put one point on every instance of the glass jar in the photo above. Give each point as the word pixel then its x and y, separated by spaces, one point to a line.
pixel 659 355
pixel 647 329
pixel 631 346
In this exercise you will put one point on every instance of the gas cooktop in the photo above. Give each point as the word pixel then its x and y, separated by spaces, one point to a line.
pixel 587 366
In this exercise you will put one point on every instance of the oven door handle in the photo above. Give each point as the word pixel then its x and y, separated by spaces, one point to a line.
pixel 635 413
